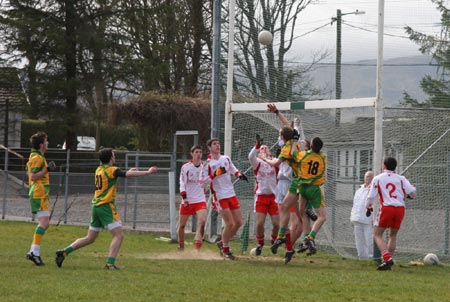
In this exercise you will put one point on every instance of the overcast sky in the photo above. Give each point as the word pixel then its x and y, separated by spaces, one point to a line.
pixel 359 32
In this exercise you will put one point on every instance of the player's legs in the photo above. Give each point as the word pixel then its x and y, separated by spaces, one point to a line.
pixel 321 218
pixel 201 221
pixel 237 221
pixel 382 246
pixel 289 201
pixel 296 226
pixel 91 236
pixel 388 217
pixel 116 242
pixel 232 219
pixel 79 243
pixel 43 224
pixel 306 222
pixel 180 231
pixel 260 218
pixel 41 208
pixel 275 219
pixel 227 228
pixel 314 195
pixel 283 232
pixel 392 241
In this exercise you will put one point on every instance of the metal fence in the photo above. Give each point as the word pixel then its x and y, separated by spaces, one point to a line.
pixel 146 202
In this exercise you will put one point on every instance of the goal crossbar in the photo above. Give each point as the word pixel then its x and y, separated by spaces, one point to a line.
pixel 308 105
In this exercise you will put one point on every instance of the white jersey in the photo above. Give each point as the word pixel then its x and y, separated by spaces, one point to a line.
pixel 265 174
pixel 284 181
pixel 358 213
pixel 391 189
pixel 191 180
pixel 285 171
pixel 221 185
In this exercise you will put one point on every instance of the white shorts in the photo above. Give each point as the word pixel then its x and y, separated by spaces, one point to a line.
pixel 282 189
pixel 109 227
pixel 42 214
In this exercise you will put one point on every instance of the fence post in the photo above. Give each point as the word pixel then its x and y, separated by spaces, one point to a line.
pixel 66 184
pixel 5 189
pixel 172 208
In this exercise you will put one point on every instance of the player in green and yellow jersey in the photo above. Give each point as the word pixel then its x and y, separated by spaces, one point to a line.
pixel 312 169
pixel 39 184
pixel 308 174
pixel 104 213
pixel 286 134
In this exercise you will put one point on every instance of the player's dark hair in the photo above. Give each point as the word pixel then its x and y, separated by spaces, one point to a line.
pixel 211 140
pixel 316 144
pixel 195 147
pixel 37 139
pixel 390 163
pixel 105 155
pixel 287 133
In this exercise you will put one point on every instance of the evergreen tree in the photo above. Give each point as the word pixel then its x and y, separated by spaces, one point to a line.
pixel 437 87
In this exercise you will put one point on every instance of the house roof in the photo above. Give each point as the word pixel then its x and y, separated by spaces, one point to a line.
pixel 11 87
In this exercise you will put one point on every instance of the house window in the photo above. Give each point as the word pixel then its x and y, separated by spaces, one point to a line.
pixel 338 163
pixel 346 163
pixel 365 162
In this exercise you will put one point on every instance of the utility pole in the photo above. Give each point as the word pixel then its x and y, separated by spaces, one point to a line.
pixel 338 54
pixel 338 20
pixel 215 101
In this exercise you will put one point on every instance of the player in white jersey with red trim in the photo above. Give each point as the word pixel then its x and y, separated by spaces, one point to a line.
pixel 266 184
pixel 226 202
pixel 392 189
pixel 193 200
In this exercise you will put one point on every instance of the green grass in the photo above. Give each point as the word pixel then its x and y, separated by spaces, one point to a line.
pixel 151 270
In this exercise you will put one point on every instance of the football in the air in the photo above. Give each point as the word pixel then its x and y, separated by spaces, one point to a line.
pixel 431 259
pixel 265 37
pixel 253 251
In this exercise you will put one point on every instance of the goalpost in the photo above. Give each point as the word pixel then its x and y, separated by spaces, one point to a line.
pixel 418 138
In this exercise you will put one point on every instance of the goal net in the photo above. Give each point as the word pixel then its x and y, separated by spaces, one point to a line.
pixel 418 138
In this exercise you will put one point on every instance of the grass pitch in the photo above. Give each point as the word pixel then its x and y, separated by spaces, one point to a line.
pixel 152 270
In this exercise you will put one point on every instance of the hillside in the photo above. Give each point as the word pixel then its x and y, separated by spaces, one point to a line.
pixel 359 78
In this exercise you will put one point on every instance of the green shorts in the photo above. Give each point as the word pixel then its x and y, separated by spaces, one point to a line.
pixel 295 186
pixel 104 215
pixel 313 194
pixel 40 202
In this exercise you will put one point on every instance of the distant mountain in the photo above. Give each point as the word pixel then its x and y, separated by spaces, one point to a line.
pixel 359 78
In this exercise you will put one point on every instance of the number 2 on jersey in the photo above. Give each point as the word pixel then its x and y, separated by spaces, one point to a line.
pixel 391 189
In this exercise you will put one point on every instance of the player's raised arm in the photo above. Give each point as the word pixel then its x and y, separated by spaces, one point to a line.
pixel 283 119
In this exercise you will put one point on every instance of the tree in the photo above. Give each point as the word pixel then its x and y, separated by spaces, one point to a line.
pixel 156 117
pixel 264 68
pixel 24 27
pixel 84 54
pixel 438 89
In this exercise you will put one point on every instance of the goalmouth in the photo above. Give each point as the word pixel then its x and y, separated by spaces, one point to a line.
pixel 418 138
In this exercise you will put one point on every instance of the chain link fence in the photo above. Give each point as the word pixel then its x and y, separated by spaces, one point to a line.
pixel 146 202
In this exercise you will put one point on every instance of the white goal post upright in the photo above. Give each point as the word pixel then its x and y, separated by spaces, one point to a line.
pixel 378 119
pixel 378 135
